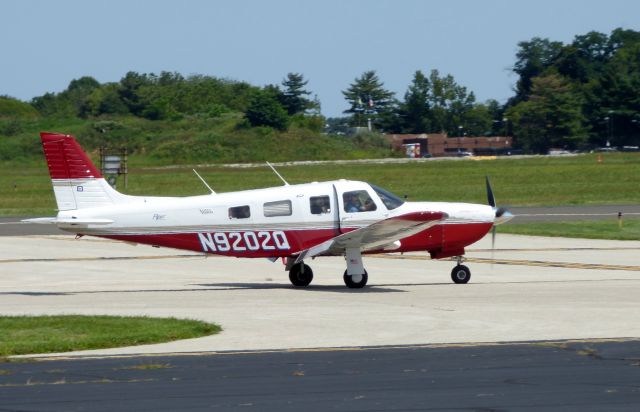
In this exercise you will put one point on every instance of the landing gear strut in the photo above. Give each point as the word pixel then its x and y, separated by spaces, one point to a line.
pixel 355 277
pixel 460 274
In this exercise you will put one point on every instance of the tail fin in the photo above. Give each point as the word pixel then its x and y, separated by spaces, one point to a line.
pixel 77 183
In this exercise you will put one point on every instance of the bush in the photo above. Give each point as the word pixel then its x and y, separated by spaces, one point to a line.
pixel 266 110
pixel 16 109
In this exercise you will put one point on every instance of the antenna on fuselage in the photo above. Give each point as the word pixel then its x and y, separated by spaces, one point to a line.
pixel 205 183
pixel 278 174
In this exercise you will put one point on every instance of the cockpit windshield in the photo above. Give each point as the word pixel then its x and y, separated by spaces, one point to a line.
pixel 390 200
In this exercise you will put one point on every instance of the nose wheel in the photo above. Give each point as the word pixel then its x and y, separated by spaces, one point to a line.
pixel 460 274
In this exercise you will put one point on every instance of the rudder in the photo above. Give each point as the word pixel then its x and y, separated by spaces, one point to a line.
pixel 77 183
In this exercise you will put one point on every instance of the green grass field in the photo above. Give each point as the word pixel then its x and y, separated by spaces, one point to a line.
pixel 20 335
pixel 588 229
pixel 25 188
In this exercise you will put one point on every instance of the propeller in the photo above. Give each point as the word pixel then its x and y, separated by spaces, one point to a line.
pixel 502 215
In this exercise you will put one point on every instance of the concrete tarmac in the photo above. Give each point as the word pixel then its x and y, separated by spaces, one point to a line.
pixel 528 289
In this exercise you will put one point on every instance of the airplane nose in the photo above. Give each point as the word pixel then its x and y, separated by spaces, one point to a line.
pixel 502 215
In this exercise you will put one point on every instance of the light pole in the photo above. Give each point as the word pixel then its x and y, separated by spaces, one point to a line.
pixel 610 128
pixel 495 129
pixel 459 135
pixel 369 111
pixel 608 120
pixel 505 122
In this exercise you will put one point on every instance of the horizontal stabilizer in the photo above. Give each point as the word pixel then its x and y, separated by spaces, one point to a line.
pixel 41 220
pixel 68 221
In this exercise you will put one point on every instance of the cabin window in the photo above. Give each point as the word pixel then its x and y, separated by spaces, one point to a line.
pixel 239 212
pixel 320 205
pixel 279 208
pixel 358 201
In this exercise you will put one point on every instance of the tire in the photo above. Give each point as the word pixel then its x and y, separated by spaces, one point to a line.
pixel 348 280
pixel 301 275
pixel 460 274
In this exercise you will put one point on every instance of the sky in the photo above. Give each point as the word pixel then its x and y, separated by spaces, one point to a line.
pixel 45 44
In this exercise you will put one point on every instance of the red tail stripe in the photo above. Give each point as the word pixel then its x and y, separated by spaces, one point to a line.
pixel 65 157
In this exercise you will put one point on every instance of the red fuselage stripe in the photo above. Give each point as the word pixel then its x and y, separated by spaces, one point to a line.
pixel 250 244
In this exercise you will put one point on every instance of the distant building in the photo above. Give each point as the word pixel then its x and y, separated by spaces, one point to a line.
pixel 439 144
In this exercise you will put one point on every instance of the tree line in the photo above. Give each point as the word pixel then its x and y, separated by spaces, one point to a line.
pixel 577 95
pixel 170 95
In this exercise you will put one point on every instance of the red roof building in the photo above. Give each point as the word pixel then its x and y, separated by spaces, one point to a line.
pixel 439 144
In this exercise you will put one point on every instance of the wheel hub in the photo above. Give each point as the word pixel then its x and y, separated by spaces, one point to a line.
pixel 356 278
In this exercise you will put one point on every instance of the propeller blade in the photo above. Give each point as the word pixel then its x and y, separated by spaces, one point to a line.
pixel 493 244
pixel 490 198
pixel 493 239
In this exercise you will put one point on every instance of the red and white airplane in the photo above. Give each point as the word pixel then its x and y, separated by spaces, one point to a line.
pixel 293 222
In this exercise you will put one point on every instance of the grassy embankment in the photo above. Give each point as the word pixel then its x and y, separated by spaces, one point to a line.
pixel 25 187
pixel 47 334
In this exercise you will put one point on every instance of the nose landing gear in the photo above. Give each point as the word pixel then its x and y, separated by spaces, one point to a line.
pixel 460 273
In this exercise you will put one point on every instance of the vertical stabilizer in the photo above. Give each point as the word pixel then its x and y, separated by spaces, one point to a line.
pixel 77 183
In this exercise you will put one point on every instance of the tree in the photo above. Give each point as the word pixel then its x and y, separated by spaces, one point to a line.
pixel 104 100
pixel 449 103
pixel 415 110
pixel 550 118
pixel 613 101
pixel 293 97
pixel 583 59
pixel 479 120
pixel 603 72
pixel 532 59
pixel 265 110
pixel 367 98
pixel 129 91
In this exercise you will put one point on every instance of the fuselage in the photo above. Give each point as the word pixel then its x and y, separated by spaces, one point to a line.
pixel 277 222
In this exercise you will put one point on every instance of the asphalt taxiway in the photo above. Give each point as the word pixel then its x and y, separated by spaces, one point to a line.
pixel 567 376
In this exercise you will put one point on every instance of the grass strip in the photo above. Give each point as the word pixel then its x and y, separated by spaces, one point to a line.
pixel 25 189
pixel 589 229
pixel 21 335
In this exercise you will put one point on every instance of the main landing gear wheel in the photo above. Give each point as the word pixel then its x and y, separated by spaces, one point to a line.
pixel 460 274
pixel 355 281
pixel 300 275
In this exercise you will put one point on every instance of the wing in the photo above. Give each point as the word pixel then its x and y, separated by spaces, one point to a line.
pixel 376 235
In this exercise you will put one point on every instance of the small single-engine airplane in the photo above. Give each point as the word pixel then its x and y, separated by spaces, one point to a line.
pixel 293 222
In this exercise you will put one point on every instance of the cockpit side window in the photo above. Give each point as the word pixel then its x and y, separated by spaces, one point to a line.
pixel 390 200
pixel 358 201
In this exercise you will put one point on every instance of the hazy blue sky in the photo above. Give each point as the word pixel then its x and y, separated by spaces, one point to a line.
pixel 46 44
